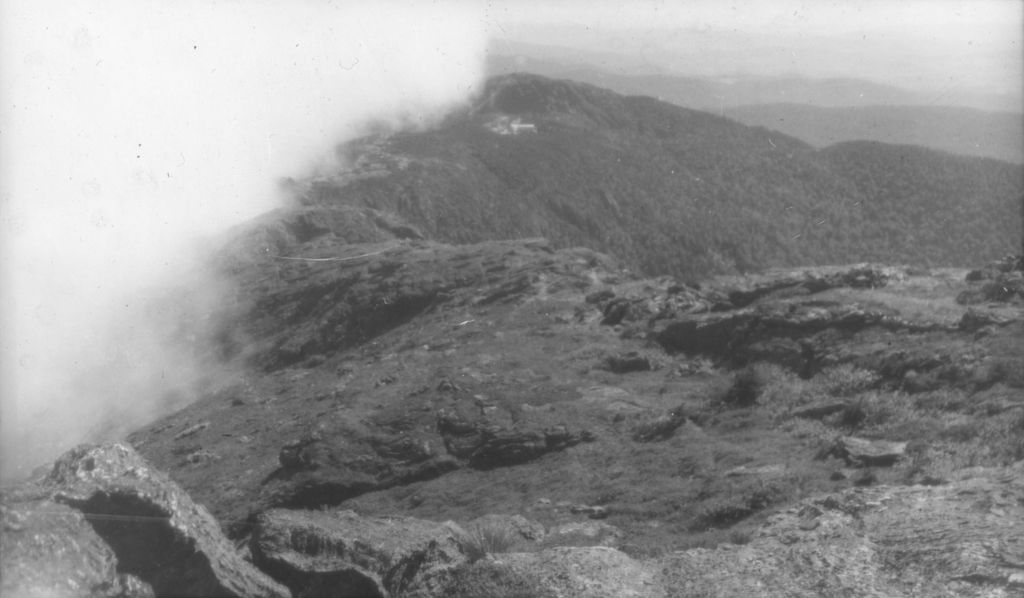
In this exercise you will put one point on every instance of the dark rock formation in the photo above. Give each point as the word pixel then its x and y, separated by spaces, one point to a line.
pixel 744 290
pixel 157 533
pixel 485 445
pixel 317 553
pixel 627 362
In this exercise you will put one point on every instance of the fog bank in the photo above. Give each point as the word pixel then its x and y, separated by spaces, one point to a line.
pixel 132 131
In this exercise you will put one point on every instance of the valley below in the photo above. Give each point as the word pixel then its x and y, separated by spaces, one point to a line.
pixel 495 361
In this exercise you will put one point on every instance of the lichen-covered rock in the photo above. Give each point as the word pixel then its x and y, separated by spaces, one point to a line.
pixel 965 538
pixel 585 572
pixel 157 532
pixel 316 552
pixel 49 549
pixel 863 452
pixel 514 526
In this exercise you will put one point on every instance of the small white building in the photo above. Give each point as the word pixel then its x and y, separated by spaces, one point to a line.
pixel 505 125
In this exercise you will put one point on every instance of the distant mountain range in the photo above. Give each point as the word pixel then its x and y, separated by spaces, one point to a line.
pixel 671 190
pixel 818 111
pixel 714 95
pixel 957 130
pixel 633 76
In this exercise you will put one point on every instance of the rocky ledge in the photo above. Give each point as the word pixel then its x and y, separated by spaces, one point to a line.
pixel 103 522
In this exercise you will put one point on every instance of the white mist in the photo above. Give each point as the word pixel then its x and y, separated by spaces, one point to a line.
pixel 132 131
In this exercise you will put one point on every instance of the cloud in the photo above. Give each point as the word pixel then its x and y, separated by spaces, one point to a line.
pixel 134 130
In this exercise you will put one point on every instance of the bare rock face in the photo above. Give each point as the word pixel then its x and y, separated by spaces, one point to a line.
pixel 49 549
pixel 157 532
pixel 318 553
pixel 961 539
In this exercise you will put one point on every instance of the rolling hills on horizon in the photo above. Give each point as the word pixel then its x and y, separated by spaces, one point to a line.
pixel 957 130
pixel 633 75
pixel 671 190
pixel 819 111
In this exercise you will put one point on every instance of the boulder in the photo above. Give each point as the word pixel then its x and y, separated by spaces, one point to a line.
pixel 515 526
pixel 49 549
pixel 342 554
pixel 661 427
pixel 820 409
pixel 157 532
pixel 861 452
pixel 974 319
pixel 627 362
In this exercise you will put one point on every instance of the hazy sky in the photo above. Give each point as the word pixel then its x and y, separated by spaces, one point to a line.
pixel 935 44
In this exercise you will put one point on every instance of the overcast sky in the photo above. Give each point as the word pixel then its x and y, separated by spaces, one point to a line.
pixel 922 44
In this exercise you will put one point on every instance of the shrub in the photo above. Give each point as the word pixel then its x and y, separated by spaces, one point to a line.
pixel 483 540
pixel 873 410
pixel 747 386
pixel 846 380
pixel 741 536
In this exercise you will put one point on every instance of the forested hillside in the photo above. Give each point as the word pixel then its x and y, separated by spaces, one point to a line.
pixel 672 190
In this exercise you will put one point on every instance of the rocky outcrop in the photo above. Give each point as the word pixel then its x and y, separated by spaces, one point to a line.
pixel 517 527
pixel 325 301
pixel 327 468
pixel 627 362
pixel 665 298
pixel 318 553
pixel 661 427
pixel 485 445
pixel 152 526
pixel 960 539
pixel 49 549
pixel 863 452
pixel 1005 287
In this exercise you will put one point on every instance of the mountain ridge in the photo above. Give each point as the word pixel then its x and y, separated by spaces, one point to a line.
pixel 668 190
